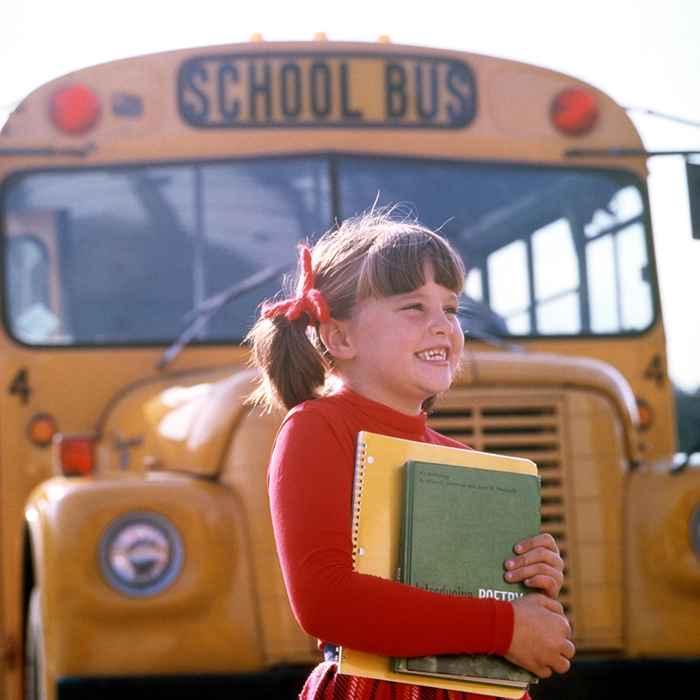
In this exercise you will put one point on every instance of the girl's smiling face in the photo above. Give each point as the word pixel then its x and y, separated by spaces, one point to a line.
pixel 403 348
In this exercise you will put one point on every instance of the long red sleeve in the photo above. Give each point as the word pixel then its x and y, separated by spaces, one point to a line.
pixel 310 484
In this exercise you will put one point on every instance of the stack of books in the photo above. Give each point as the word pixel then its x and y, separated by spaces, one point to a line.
pixel 443 519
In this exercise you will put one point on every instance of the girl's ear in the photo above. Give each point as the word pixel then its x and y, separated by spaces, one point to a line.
pixel 336 337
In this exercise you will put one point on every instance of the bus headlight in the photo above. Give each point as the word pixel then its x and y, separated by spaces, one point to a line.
pixel 141 554
pixel 695 531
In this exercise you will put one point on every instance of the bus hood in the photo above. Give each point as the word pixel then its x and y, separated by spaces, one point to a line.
pixel 546 370
pixel 180 423
pixel 186 422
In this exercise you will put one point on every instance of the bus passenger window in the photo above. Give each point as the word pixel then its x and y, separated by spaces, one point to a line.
pixel 626 204
pixel 508 286
pixel 473 285
pixel 617 262
pixel 634 286
pixel 602 293
pixel 556 279
pixel 28 290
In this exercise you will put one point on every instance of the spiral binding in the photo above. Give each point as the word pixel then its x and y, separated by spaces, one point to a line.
pixel 360 464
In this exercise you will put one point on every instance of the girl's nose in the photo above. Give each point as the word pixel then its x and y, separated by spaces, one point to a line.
pixel 440 323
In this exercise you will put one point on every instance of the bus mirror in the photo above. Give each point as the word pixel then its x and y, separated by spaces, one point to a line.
pixel 693 173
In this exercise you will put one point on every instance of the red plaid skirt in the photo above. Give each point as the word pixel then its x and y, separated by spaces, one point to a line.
pixel 325 683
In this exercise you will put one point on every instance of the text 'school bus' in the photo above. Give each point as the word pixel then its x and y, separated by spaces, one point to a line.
pixel 135 536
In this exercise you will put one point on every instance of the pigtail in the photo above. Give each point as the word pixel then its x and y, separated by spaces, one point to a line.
pixel 292 368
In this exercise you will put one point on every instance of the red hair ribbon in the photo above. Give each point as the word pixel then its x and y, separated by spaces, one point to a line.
pixel 310 302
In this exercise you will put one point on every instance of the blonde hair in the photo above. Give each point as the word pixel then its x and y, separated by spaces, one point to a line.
pixel 375 254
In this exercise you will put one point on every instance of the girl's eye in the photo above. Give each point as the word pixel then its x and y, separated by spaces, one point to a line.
pixel 412 307
pixel 452 310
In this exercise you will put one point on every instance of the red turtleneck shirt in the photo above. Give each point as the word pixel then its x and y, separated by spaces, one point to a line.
pixel 310 484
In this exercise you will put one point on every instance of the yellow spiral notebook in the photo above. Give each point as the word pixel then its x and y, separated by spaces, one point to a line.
pixel 376 532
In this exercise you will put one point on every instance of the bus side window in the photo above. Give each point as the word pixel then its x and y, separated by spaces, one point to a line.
pixel 617 264
pixel 557 283
pixel 474 284
pixel 28 290
pixel 535 285
pixel 36 308
pixel 509 286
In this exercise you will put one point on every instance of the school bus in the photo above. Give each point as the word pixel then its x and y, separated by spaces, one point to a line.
pixel 148 205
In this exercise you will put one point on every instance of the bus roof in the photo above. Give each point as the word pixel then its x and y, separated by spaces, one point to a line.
pixel 266 98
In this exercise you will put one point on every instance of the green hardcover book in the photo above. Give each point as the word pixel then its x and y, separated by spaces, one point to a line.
pixel 459 526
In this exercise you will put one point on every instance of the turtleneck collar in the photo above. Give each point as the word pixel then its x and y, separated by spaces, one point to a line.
pixel 412 427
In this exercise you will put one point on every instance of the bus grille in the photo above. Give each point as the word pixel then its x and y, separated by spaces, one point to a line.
pixel 519 428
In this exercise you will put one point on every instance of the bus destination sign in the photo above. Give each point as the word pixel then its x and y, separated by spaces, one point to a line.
pixel 326 90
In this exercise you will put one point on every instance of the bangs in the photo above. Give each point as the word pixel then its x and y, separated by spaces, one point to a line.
pixel 395 264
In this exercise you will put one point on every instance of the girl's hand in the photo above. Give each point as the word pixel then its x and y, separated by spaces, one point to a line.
pixel 541 636
pixel 538 565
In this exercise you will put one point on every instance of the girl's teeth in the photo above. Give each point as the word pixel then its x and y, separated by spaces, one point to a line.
pixel 433 355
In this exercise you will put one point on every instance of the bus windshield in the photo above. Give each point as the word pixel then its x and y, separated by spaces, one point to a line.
pixel 120 255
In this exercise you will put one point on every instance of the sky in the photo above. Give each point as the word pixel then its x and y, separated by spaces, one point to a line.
pixel 643 53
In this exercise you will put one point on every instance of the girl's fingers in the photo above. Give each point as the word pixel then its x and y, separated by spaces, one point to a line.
pixel 544 672
pixel 536 556
pixel 567 653
pixel 555 606
pixel 546 584
pixel 538 564
pixel 527 572
pixel 545 578
pixel 563 665
pixel 544 539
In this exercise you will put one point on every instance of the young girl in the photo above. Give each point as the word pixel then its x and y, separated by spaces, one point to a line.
pixel 369 340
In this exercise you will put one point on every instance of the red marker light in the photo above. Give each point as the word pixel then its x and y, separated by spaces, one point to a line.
pixel 74 109
pixel 646 414
pixel 76 454
pixel 574 111
pixel 41 429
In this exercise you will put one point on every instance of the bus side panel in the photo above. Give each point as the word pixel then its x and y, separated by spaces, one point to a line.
pixel 663 569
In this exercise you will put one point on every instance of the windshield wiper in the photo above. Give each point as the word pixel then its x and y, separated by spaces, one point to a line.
pixel 200 315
